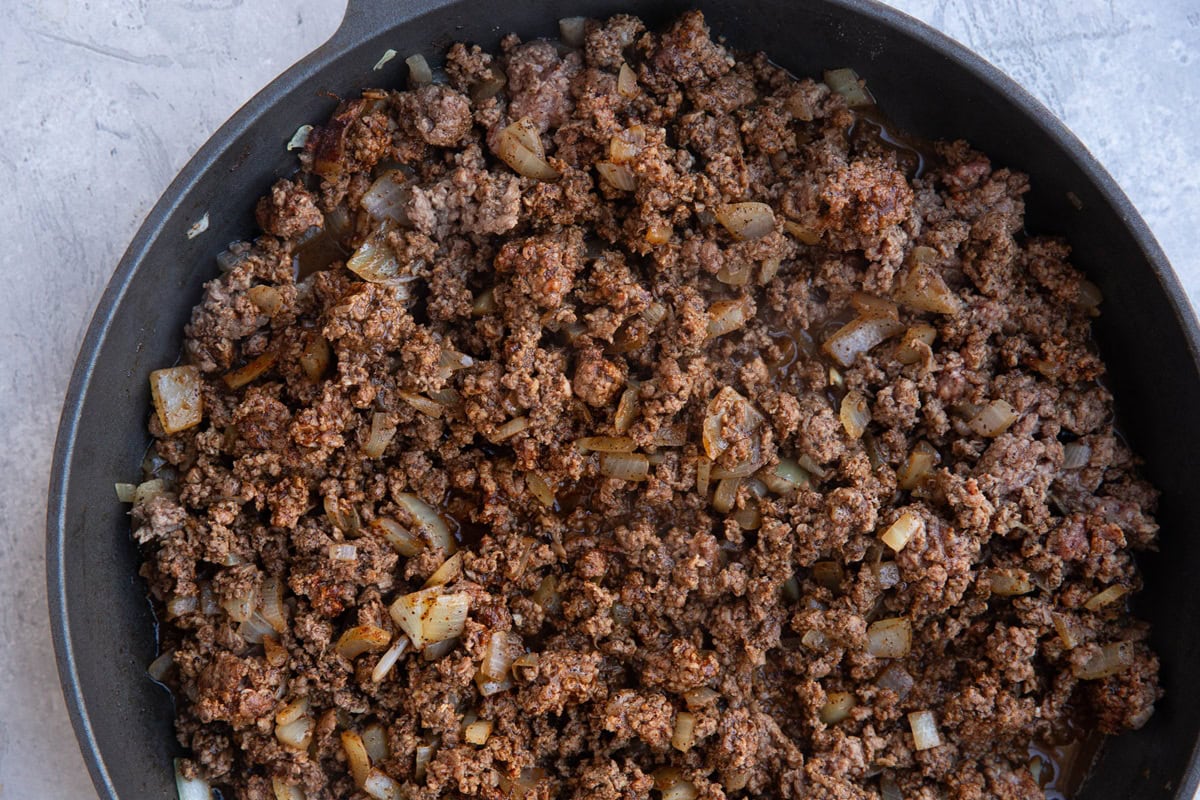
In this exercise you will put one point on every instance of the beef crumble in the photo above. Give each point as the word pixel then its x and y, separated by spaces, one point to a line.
pixel 774 455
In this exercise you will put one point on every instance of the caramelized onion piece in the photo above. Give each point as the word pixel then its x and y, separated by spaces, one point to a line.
pixel 923 288
pixel 859 336
pixel 627 84
pixel 520 146
pixel 431 615
pixel 362 639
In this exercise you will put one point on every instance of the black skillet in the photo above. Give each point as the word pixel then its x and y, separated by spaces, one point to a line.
pixel 930 86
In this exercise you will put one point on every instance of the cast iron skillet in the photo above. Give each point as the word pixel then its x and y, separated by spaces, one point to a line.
pixel 103 626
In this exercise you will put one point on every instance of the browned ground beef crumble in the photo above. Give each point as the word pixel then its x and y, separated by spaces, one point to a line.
pixel 601 296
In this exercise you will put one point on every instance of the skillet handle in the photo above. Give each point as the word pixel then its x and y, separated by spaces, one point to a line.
pixel 365 18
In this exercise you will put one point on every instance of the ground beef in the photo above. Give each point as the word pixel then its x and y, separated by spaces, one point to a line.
pixel 689 496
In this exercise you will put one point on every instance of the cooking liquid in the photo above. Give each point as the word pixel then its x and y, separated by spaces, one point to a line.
pixel 1066 766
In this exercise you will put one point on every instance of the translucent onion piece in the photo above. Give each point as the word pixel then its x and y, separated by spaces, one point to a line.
pixel 271 606
pixel 846 82
pixel 299 138
pixel 547 595
pixel 994 419
pixel 419 73
pixel 239 607
pixel 684 735
pixel 726 316
pixel 176 395
pixel 158 667
pixel 627 411
pixel 428 522
pixel 1112 658
pixel 525 667
pixel 748 518
pixel 804 235
pixel 487 687
pixel 901 532
pixel 478 732
pixel 381 434
pixel 888 790
pixel 362 639
pixel 606 444
pixel 387 56
pixel 286 791
pixel 388 197
pixel 626 145
pixel 897 679
pixel 700 697
pixel 859 336
pixel 1065 627
pixel 787 477
pixel 501 651
pixel 868 305
pixel 726 494
pixel 488 87
pixel 450 570
pixel 627 84
pixel 1090 296
pixel 735 273
pixel 889 638
pixel 791 589
pixel 746 220
pixel 190 788
pixel 430 616
pixel 525 784
pixel 838 706
pixel 297 733
pixel 624 466
pixel 918 464
pixel 342 515
pixel 770 269
pixel 275 653
pixel 571 31
pixel 374 260
pixel 540 489
pixel 814 640
pixel 1076 455
pixel 255 629
pixel 683 790
pixel 1010 582
pixel 380 786
pixel 266 298
pixel 422 757
pixel 618 176
pixel 924 730
pixel 402 540
pixel 375 740
pixel 887 573
pixel 484 303
pixel 389 659
pixel 729 413
pixel 855 414
pixel 1106 597
pixel 292 711
pixel 703 474
pixel 914 343
pixel 923 288
pixel 659 234
pixel 180 605
pixel 356 757
pixel 510 428
pixel 315 357
pixel 437 650
pixel 423 404
pixel 125 492
pixel 520 146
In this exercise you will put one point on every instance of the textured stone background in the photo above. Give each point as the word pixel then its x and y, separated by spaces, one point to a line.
pixel 107 99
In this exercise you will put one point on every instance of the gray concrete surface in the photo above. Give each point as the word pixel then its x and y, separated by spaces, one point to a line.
pixel 107 99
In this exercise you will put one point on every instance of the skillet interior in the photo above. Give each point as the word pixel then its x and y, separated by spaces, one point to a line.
pixel 103 626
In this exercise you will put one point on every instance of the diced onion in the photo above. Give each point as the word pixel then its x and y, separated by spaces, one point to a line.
pixel 239 607
pixel 375 740
pixel 735 272
pixel 887 573
pixel 404 541
pixel 918 464
pixel 1010 582
pixel 158 667
pixel 430 616
pixel 901 532
pixel 286 791
pixel 1105 597
pixel 362 639
pixel 659 234
pixel 315 357
pixel 340 551
pixel 275 653
pixel 1090 297
pixel 915 342
pixel 389 659
pixel 450 569
pixel 889 638
pixel 571 31
pixel 510 428
pixel 627 84
pixel 804 235
pixel 525 784
pixel 746 220
pixel 726 494
pixel 478 732
pixel 525 667
pixel 190 788
pixel 897 679
pixel 682 790
pixel 255 629
pixel 923 288
pixel 855 414
pixel 888 790
pixel 484 303
pixel 846 82
pixel 748 518
pixel 299 138
pixel 1065 627
pixel 787 477
pixel 859 336
pixel 684 735
pixel 625 146
pixel 271 605
pixel 488 687
pixel 380 786
pixel 520 146
pixel 540 489
pixel 627 411
pixel 700 697
pixel 994 419
pixel 1112 658
pixel 726 316
pixel 356 757
pixel 624 466
pixel 770 268
pixel 292 711
pixel 618 176
pixel 606 444
pixel 387 56
pixel 814 640
pixel 125 492
pixel 419 73
pixel 437 650
pixel 924 730
pixel 266 298
pixel 428 522
pixel 176 395
pixel 1076 455
pixel 296 733
pixel 421 403
pixel 838 706
pixel 488 87
pixel 547 595
pixel 342 515
pixel 388 197
pixel 502 649
pixel 179 605
pixel 868 305
pixel 828 573
pixel 791 589
pixel 422 757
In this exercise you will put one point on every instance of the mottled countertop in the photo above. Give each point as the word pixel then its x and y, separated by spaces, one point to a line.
pixel 106 100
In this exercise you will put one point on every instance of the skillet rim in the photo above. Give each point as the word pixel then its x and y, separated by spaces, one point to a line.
pixel 358 26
